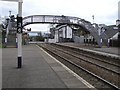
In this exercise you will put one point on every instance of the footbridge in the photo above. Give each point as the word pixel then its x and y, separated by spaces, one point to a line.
pixel 53 19
pixel 68 20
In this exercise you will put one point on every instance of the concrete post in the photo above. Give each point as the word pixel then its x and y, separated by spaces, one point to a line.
pixel 19 34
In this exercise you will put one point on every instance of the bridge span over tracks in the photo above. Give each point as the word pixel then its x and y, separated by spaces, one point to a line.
pixel 54 19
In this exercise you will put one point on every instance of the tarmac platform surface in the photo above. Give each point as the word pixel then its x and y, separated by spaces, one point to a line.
pixel 39 70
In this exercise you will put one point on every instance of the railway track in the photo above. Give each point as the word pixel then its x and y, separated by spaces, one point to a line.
pixel 95 67
pixel 114 67
pixel 108 60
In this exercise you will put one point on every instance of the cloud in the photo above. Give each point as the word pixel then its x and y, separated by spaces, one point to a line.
pixel 105 11
pixel 5 7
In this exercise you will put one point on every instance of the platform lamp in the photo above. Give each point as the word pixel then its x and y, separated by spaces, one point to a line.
pixel 118 25
pixel 19 31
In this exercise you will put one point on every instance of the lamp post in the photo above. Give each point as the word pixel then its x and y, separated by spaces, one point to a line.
pixel 10 13
pixel 93 18
pixel 19 31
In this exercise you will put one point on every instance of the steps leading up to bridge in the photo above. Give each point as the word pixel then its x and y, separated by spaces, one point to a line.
pixel 11 39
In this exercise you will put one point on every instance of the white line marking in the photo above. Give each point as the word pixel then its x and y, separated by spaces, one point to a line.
pixel 69 70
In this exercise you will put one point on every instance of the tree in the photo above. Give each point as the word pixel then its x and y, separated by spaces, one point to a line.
pixel 39 38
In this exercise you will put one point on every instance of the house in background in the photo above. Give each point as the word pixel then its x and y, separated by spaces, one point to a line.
pixel 61 34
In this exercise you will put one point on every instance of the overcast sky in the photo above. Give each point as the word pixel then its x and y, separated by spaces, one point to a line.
pixel 104 11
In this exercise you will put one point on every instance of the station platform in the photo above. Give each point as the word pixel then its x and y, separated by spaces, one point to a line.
pixel 39 70
pixel 113 52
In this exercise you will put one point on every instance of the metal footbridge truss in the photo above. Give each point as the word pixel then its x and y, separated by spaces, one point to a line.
pixel 53 19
